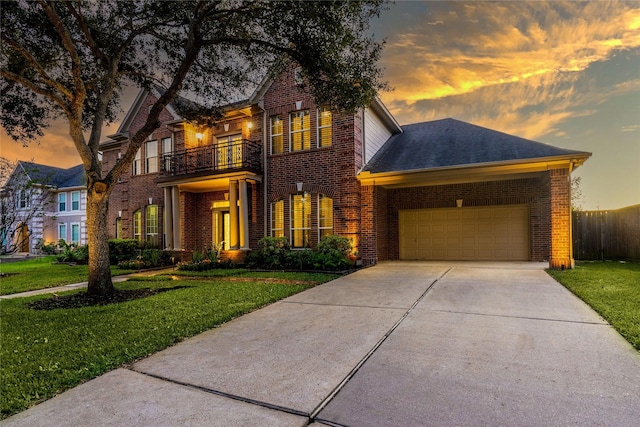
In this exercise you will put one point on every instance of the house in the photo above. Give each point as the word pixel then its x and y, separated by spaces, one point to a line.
pixel 278 164
pixel 43 203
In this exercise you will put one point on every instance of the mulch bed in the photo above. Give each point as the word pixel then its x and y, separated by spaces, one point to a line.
pixel 85 300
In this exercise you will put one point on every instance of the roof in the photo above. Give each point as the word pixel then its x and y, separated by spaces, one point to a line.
pixel 452 143
pixel 53 176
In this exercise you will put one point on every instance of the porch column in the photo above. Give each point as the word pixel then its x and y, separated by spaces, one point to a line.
pixel 175 207
pixel 233 215
pixel 560 256
pixel 168 219
pixel 244 215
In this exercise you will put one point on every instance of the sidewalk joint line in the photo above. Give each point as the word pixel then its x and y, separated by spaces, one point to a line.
pixel 522 317
pixel 227 395
pixel 353 371
pixel 344 305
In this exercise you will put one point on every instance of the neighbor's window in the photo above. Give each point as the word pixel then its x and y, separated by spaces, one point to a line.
pixel 75 233
pixel 152 225
pixel 300 220
pixel 324 127
pixel 325 215
pixel 23 199
pixel 62 202
pixel 75 200
pixel 300 130
pixel 137 164
pixel 118 228
pixel 277 219
pixel 151 156
pixel 62 231
pixel 137 225
pixel 277 136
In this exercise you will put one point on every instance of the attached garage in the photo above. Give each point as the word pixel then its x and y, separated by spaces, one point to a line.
pixel 470 233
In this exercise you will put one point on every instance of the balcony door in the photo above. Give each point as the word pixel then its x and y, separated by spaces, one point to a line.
pixel 229 151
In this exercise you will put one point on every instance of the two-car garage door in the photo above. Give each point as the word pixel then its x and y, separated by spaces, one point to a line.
pixel 499 233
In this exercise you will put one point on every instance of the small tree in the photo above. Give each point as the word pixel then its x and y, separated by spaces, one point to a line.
pixel 22 203
pixel 577 198
pixel 73 58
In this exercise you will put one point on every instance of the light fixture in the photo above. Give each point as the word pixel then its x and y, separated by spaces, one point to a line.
pixel 199 136
pixel 299 186
pixel 226 127
pixel 119 214
pixel 249 125
pixel 150 200
pixel 459 203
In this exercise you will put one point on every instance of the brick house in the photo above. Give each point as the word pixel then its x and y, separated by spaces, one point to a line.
pixel 278 164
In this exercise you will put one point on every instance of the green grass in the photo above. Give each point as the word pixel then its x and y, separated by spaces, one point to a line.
pixel 612 289
pixel 46 351
pixel 42 273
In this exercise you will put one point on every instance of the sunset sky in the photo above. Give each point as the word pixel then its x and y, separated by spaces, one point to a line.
pixel 562 73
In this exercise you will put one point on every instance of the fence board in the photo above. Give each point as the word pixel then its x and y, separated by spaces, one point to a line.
pixel 609 234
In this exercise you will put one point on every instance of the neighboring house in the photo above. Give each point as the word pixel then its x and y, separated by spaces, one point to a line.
pixel 49 204
pixel 279 165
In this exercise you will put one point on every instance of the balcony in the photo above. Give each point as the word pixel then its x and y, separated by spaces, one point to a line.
pixel 212 159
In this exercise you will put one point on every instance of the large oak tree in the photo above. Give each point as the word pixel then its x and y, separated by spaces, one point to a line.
pixel 72 59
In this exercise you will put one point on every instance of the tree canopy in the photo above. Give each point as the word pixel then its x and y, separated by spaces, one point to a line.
pixel 73 59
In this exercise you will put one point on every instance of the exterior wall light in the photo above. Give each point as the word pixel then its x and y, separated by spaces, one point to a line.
pixel 459 203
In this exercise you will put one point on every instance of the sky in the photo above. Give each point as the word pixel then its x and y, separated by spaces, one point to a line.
pixel 561 73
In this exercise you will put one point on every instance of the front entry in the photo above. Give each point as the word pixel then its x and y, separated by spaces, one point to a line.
pixel 221 221
pixel 23 238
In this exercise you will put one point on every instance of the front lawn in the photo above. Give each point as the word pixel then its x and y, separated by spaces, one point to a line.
pixel 40 273
pixel 612 289
pixel 44 352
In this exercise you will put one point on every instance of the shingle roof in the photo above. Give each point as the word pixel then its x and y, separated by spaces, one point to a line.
pixel 449 142
pixel 55 177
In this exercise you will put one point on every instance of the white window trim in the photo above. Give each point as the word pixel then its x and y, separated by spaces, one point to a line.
pixel 320 228
pixel 146 223
pixel 292 217
pixel 60 197
pixel 79 232
pixel 273 229
pixel 137 163
pixel 66 234
pixel 79 201
pixel 319 127
pixel 166 161
pixel 292 132
pixel 281 134
pixel 147 158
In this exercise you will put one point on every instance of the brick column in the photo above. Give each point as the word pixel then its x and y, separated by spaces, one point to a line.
pixel 368 245
pixel 244 215
pixel 175 216
pixel 560 254
pixel 233 215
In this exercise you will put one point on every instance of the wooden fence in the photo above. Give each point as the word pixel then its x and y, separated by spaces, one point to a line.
pixel 603 235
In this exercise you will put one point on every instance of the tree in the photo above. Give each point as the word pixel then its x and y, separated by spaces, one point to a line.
pixel 23 201
pixel 577 198
pixel 73 58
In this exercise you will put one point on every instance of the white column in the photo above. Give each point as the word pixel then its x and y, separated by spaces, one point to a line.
pixel 175 206
pixel 168 219
pixel 233 215
pixel 244 215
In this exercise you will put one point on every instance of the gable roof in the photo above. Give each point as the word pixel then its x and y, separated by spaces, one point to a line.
pixel 50 175
pixel 450 143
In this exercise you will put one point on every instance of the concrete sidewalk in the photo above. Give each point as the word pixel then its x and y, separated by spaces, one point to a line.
pixel 401 343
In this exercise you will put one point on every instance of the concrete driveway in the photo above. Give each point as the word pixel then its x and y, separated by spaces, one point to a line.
pixel 401 343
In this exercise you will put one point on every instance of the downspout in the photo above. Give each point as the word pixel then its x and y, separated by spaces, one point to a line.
pixel 265 179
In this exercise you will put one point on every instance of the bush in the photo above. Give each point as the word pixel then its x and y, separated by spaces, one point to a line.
pixel 46 248
pixel 73 252
pixel 123 250
pixel 271 253
pixel 335 245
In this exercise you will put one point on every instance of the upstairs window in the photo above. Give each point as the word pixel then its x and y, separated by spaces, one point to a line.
pixel 137 164
pixel 300 220
pixel 167 148
pixel 151 156
pixel 300 125
pixel 62 202
pixel 23 199
pixel 325 215
pixel 277 136
pixel 75 201
pixel 324 127
pixel 277 219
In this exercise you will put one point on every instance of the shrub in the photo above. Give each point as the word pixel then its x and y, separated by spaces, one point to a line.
pixel 271 253
pixel 73 252
pixel 123 250
pixel 46 248
pixel 335 245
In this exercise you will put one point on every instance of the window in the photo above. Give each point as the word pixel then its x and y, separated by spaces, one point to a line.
pixel 23 200
pixel 62 202
pixel 325 215
pixel 137 225
pixel 75 233
pixel 277 138
pixel 324 127
pixel 167 148
pixel 151 156
pixel 75 200
pixel 118 228
pixel 137 165
pixel 300 124
pixel 300 220
pixel 152 225
pixel 62 231
pixel 277 219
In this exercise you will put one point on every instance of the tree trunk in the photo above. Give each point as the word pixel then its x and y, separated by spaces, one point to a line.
pixel 99 269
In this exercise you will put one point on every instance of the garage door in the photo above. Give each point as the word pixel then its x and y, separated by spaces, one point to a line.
pixel 498 233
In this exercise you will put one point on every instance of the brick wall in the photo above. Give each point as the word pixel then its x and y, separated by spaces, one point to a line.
pixel 530 191
pixel 560 228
